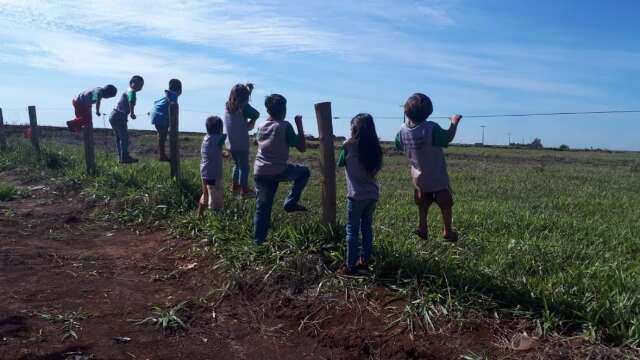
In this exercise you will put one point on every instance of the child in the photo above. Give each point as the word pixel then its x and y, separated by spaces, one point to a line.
pixel 211 166
pixel 361 156
pixel 83 102
pixel 119 117
pixel 274 138
pixel 160 114
pixel 423 142
pixel 239 119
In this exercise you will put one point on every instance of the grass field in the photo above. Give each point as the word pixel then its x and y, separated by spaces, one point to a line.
pixel 548 235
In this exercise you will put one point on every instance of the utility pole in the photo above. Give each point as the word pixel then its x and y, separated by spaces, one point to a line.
pixel 509 141
pixel 482 126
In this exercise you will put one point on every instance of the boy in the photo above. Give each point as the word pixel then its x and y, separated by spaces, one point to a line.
pixel 119 115
pixel 274 138
pixel 211 154
pixel 423 142
pixel 83 102
pixel 160 115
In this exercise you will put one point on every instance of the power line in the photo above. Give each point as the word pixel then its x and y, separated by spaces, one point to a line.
pixel 518 115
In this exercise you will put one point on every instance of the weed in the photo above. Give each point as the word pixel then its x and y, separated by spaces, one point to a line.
pixel 7 192
pixel 167 318
pixel 70 321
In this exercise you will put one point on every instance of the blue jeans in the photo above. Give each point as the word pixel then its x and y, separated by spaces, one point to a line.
pixel 118 123
pixel 267 187
pixel 241 168
pixel 359 219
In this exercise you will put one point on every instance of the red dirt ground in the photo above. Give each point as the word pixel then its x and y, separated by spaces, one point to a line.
pixel 56 257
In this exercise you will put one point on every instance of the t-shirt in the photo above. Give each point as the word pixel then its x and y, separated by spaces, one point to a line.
pixel 361 185
pixel 211 156
pixel 237 128
pixel 423 145
pixel 160 111
pixel 89 97
pixel 274 139
pixel 127 100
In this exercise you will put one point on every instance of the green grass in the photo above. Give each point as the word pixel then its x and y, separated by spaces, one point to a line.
pixel 545 234
pixel 7 192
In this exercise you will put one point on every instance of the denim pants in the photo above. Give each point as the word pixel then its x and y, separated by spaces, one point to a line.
pixel 267 187
pixel 241 168
pixel 118 123
pixel 359 219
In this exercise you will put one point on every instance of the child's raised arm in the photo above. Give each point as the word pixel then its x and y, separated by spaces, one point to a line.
pixel 302 141
pixel 455 119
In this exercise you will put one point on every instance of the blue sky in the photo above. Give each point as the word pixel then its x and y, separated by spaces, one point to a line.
pixel 471 57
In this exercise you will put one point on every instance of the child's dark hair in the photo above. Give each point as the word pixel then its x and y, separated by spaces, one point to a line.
pixel 239 94
pixel 109 91
pixel 136 79
pixel 175 85
pixel 276 106
pixel 214 125
pixel 418 107
pixel 363 133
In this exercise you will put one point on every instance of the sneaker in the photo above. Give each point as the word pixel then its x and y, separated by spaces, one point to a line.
pixel 295 208
pixel 72 126
pixel 424 235
pixel 364 265
pixel 128 160
pixel 163 157
pixel 450 236
pixel 345 271
pixel 236 189
pixel 247 193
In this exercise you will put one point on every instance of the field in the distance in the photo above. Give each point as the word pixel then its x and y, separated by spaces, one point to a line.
pixel 550 236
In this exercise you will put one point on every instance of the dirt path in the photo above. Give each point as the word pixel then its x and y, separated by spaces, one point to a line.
pixel 56 258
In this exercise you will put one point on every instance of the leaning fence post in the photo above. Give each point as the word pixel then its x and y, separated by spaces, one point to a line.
pixel 327 162
pixel 33 127
pixel 89 149
pixel 174 155
pixel 3 138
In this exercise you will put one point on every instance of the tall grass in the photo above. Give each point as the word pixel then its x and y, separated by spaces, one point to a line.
pixel 551 234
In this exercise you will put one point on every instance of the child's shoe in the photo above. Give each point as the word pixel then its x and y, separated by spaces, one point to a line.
pixel 128 160
pixel 163 157
pixel 295 208
pixel 362 264
pixel 236 189
pixel 247 193
pixel 424 235
pixel 450 236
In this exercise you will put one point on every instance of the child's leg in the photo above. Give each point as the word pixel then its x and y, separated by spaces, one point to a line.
pixel 367 229
pixel 300 176
pixel 236 156
pixel 202 202
pixel 354 216
pixel 116 124
pixel 423 202
pixel 266 187
pixel 444 199
pixel 124 140
pixel 162 139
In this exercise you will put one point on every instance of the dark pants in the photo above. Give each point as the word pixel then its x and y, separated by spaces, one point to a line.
pixel 118 121
pixel 267 187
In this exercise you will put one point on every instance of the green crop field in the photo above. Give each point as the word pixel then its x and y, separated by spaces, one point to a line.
pixel 553 236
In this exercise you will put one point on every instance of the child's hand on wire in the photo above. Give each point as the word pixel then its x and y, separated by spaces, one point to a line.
pixel 98 113
pixel 455 119
pixel 133 116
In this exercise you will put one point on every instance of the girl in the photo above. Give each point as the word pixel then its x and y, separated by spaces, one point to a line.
pixel 239 119
pixel 361 156
pixel 211 153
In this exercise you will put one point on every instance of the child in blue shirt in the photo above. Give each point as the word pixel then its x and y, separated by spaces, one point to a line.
pixel 211 173
pixel 160 115
pixel 119 118
pixel 271 166
pixel 361 156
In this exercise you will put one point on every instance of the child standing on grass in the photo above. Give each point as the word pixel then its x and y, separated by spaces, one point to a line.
pixel 361 156
pixel 84 101
pixel 423 142
pixel 119 118
pixel 160 115
pixel 239 119
pixel 271 166
pixel 211 153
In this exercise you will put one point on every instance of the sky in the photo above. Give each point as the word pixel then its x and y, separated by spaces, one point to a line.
pixel 471 57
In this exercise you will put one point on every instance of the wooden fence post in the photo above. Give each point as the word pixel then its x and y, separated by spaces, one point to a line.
pixel 174 148
pixel 3 138
pixel 33 127
pixel 89 149
pixel 327 162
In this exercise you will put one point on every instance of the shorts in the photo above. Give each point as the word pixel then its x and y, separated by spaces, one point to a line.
pixel 443 198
